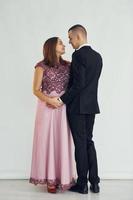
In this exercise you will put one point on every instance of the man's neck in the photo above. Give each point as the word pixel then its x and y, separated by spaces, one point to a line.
pixel 83 44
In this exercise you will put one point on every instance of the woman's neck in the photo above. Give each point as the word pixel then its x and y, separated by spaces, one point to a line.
pixel 58 59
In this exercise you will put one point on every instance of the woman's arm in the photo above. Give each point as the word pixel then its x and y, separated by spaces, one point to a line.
pixel 37 82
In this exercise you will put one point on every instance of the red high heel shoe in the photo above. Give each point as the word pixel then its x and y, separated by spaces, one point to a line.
pixel 51 188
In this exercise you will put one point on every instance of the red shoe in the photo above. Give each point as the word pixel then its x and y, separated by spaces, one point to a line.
pixel 51 188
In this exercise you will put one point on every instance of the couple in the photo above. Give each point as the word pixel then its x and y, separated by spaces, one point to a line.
pixel 67 104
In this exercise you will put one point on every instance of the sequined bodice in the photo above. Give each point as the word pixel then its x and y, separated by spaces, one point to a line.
pixel 55 78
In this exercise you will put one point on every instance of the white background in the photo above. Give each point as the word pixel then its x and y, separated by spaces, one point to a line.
pixel 25 25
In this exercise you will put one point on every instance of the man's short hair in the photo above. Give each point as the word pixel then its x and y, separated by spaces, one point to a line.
pixel 77 28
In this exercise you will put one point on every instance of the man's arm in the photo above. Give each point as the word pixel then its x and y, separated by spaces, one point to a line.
pixel 85 73
pixel 78 83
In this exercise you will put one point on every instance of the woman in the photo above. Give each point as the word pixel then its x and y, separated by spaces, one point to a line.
pixel 52 154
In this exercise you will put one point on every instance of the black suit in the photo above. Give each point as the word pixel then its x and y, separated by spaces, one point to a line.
pixel 82 105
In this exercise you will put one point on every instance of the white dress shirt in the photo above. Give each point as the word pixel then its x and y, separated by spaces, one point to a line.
pixel 86 44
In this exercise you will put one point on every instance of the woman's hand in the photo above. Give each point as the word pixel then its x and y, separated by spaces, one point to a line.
pixel 53 102
pixel 50 106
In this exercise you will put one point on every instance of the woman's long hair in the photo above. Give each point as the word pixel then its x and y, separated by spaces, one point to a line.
pixel 49 52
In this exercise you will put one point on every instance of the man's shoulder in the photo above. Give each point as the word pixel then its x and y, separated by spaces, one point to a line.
pixel 88 49
pixel 83 53
pixel 86 52
pixel 86 55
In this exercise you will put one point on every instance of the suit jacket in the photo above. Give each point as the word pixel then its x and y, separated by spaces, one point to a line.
pixel 81 94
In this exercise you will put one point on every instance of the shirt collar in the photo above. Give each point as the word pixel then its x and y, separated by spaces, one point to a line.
pixel 86 44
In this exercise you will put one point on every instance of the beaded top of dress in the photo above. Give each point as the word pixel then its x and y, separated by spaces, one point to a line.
pixel 54 78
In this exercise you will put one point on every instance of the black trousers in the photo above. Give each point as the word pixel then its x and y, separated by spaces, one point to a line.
pixel 85 154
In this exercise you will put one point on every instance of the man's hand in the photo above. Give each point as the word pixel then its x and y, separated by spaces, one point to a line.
pixel 53 102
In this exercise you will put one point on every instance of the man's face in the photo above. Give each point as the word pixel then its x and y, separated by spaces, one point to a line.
pixel 73 39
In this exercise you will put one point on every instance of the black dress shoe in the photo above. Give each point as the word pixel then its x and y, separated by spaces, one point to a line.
pixel 95 188
pixel 79 188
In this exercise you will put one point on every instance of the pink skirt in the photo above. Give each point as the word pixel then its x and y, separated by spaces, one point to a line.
pixel 53 149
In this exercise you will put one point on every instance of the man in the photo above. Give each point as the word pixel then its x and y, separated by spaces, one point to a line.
pixel 82 105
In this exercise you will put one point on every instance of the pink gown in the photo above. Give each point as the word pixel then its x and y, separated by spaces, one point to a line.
pixel 53 149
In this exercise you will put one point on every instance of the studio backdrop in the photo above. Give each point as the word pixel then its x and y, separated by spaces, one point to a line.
pixel 24 27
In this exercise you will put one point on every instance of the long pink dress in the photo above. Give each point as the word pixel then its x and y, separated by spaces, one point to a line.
pixel 53 149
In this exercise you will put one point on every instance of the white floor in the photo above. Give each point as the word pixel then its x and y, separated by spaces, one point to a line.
pixel 23 190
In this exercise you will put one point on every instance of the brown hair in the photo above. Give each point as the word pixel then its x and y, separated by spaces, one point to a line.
pixel 49 52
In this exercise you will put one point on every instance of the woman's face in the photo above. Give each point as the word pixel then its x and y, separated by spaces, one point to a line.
pixel 60 47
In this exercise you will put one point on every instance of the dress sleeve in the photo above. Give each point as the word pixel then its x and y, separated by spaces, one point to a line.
pixel 39 64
